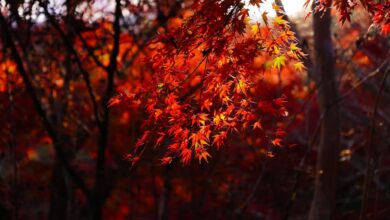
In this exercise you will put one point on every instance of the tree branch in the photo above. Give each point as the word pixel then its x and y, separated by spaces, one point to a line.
pixel 371 150
pixel 72 50
pixel 90 51
pixel 103 138
pixel 39 108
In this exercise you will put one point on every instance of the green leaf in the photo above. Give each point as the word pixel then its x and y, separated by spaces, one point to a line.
pixel 293 47
pixel 279 20
pixel 279 62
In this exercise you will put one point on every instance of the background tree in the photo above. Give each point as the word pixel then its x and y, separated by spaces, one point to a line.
pixel 95 96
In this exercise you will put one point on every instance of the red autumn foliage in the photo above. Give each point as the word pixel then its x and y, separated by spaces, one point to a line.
pixel 188 109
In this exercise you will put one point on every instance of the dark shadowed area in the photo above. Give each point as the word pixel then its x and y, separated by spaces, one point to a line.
pixel 194 109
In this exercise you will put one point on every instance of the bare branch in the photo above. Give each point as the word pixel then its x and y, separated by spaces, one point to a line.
pixel 70 47
pixel 39 108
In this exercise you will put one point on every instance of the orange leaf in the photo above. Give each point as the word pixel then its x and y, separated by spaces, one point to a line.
pixel 166 160
pixel 277 142
pixel 257 125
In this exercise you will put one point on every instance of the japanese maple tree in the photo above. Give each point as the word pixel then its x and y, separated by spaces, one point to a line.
pixel 222 114
pixel 205 76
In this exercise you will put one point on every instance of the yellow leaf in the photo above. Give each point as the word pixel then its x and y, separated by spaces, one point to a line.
pixel 247 20
pixel 219 118
pixel 276 50
pixel 293 47
pixel 241 86
pixel 255 29
pixel 299 66
pixel 160 85
pixel 105 58
pixel 275 7
pixel 279 20
pixel 279 62
pixel 203 142
pixel 226 100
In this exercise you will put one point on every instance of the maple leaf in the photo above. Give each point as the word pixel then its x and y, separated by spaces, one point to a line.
pixel 279 20
pixel 160 139
pixel 206 105
pixel 141 141
pixel 293 47
pixel 157 114
pixel 166 160
pixel 281 101
pixel 247 20
pixel 117 99
pixel 226 100
pixel 219 118
pixel 184 133
pixel 202 154
pixel 230 109
pixel 198 139
pixel 257 125
pixel 224 90
pixel 202 118
pixel 270 154
pixel 255 29
pixel 277 142
pixel 199 119
pixel 241 87
pixel 279 62
pixel 275 7
pixel 186 155
pixel 265 32
pixel 276 50
pixel 131 158
pixel 219 139
pixel 205 130
pixel 244 103
pixel 299 66
pixel 173 147
pixel 114 101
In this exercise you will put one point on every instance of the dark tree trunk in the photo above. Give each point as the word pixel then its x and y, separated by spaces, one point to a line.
pixel 165 194
pixel 4 212
pixel 323 202
pixel 59 194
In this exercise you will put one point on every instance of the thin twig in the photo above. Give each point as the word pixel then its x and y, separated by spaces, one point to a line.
pixel 370 150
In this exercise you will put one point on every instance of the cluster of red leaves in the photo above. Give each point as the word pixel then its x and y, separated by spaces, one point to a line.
pixel 380 11
pixel 203 86
pixel 382 17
